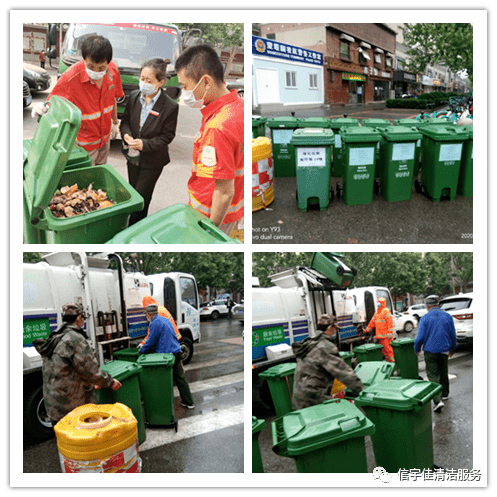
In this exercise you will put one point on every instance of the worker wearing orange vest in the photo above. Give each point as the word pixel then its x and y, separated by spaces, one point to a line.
pixel 382 321
pixel 148 300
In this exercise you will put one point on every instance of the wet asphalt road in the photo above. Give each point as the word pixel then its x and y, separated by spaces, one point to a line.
pixel 209 437
pixel 452 428
pixel 418 220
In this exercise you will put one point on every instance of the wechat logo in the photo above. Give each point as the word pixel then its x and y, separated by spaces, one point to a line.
pixel 379 473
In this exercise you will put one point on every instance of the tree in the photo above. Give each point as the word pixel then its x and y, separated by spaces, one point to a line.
pixel 440 43
pixel 265 264
pixel 218 34
pixel 31 257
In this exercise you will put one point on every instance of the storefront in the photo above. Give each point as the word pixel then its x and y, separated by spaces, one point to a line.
pixel 404 83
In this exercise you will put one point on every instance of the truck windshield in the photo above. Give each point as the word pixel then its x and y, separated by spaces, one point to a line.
pixel 132 44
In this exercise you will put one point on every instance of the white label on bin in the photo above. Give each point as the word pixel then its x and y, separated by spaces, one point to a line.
pixel 361 156
pixel 403 151
pixel 338 140
pixel 418 143
pixel 311 157
pixel 310 131
pixel 450 152
pixel 282 136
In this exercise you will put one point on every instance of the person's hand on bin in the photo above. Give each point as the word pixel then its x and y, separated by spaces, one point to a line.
pixel 116 385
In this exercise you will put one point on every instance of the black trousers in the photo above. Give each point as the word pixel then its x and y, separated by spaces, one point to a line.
pixel 181 382
pixel 143 181
pixel 437 370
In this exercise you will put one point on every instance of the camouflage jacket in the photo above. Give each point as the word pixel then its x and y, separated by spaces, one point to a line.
pixel 70 371
pixel 318 364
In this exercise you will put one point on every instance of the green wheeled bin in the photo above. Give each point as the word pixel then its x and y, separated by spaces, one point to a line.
pixel 314 122
pixel 330 265
pixel 178 223
pixel 377 124
pixel 156 383
pixel 257 426
pixel 401 412
pixel 44 173
pixel 313 149
pixel 258 126
pixel 371 372
pixel 441 161
pixel 131 354
pixel 336 124
pixel 406 360
pixel 465 186
pixel 280 381
pixel 282 129
pixel 413 123
pixel 347 357
pixel 368 352
pixel 359 160
pixel 129 394
pixel 397 162
pixel 325 438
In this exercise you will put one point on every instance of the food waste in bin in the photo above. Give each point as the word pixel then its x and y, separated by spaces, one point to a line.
pixel 70 201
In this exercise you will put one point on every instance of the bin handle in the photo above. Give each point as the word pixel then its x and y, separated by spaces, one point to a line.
pixel 207 227
pixel 280 442
pixel 427 397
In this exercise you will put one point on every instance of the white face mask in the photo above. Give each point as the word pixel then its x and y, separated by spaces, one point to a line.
pixel 95 75
pixel 190 100
pixel 147 88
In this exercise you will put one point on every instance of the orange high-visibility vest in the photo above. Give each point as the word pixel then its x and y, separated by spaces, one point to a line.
pixel 382 321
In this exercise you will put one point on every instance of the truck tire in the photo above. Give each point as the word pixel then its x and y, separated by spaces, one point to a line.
pixel 186 350
pixel 36 421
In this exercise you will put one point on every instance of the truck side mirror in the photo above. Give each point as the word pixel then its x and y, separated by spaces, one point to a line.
pixel 52 53
pixel 52 34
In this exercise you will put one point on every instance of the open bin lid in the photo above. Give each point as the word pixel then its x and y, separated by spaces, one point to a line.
pixel 403 342
pixel 313 428
pixel 157 360
pixel 257 425
pixel 370 372
pixel 398 394
pixel 283 122
pixel 178 223
pixel 279 371
pixel 48 153
pixel 312 136
pixel 359 134
pixel 120 370
pixel 445 133
pixel 401 134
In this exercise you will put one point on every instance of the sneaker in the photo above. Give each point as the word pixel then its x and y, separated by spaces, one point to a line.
pixel 445 398
pixel 438 407
pixel 187 406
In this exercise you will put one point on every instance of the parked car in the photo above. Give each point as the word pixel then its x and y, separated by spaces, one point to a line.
pixel 460 307
pixel 238 312
pixel 403 322
pixel 238 85
pixel 37 78
pixel 214 310
pixel 27 98
pixel 416 311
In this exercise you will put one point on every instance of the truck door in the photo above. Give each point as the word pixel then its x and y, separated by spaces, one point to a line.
pixel 369 304
pixel 170 298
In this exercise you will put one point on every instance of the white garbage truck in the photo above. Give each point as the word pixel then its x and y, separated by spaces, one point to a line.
pixel 112 300
pixel 288 312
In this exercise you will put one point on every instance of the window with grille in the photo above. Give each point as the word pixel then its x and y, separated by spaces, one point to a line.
pixel 313 80
pixel 291 79
pixel 344 49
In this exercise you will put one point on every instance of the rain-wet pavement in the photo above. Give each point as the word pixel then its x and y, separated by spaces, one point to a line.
pixel 215 376
pixel 452 428
pixel 418 220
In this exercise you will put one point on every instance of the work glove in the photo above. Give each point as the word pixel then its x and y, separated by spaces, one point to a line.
pixel 39 110
pixel 114 132
pixel 139 346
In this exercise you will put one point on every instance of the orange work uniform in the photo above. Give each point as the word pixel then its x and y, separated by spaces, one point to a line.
pixel 382 321
pixel 96 104
pixel 162 311
pixel 218 155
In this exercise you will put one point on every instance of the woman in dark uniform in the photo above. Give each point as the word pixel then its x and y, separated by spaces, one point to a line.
pixel 148 126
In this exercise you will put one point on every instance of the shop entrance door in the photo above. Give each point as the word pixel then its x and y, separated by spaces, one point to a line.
pixel 268 89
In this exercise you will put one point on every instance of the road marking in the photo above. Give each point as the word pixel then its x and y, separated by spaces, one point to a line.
pixel 193 426
pixel 214 362
pixel 219 382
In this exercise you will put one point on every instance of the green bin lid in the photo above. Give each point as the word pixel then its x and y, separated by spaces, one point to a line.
pixel 314 122
pixel 178 223
pixel 346 355
pixel 367 347
pixel 283 122
pixel 120 370
pixel 257 425
pixel 48 154
pixel 401 342
pixel 373 371
pixel 444 133
pixel 256 121
pixel 398 394
pixel 312 136
pixel 279 371
pixel 156 360
pixel 360 134
pixel 439 122
pixel 376 123
pixel 130 351
pixel 469 129
pixel 400 134
pixel 315 427
pixel 341 122
pixel 409 123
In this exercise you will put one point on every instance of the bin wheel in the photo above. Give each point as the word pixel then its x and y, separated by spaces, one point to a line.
pixel 340 270
pixel 338 189
pixel 176 425
pixel 376 187
pixel 417 186
pixel 332 194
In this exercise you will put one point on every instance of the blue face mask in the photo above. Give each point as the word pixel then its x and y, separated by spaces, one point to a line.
pixel 378 305
pixel 147 88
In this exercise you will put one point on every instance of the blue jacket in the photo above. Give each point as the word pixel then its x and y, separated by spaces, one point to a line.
pixel 436 332
pixel 161 338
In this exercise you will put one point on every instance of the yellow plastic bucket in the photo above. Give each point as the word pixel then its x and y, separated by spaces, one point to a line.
pixel 98 439
pixel 262 173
